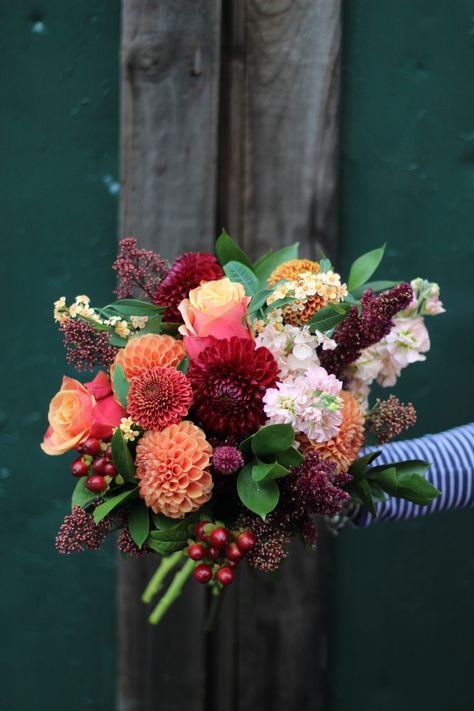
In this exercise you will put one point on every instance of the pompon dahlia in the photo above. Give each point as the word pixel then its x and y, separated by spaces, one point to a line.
pixel 159 397
pixel 292 269
pixel 149 351
pixel 345 446
pixel 173 469
pixel 227 460
pixel 187 272
pixel 229 380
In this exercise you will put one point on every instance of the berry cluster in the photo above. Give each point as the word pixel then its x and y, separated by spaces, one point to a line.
pixel 220 550
pixel 95 462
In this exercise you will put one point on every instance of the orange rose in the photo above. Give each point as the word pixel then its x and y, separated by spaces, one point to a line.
pixel 77 412
pixel 214 310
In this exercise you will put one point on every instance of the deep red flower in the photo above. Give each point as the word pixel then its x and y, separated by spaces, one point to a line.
pixel 229 380
pixel 187 272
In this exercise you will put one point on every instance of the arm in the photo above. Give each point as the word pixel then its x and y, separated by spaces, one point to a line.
pixel 451 455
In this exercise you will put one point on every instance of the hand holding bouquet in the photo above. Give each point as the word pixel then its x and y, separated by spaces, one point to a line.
pixel 232 406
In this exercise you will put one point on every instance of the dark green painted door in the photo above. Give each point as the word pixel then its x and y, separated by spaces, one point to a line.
pixel 58 205
pixel 402 593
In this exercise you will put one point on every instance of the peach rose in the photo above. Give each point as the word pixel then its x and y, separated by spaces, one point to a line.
pixel 80 411
pixel 214 310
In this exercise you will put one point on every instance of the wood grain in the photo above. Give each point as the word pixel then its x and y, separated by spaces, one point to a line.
pixel 170 70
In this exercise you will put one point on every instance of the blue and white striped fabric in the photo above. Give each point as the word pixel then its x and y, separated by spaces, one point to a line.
pixel 451 455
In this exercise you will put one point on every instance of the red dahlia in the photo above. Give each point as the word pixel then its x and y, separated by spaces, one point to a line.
pixel 229 380
pixel 187 272
pixel 159 397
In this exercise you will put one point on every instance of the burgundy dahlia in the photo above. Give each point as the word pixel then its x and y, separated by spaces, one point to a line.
pixel 187 272
pixel 358 332
pixel 229 379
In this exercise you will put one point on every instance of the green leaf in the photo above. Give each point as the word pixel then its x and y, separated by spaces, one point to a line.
pixel 121 385
pixel 111 503
pixel 183 365
pixel 360 491
pixel 290 458
pixel 134 307
pixel 259 497
pixel 377 493
pixel 153 325
pixel 417 489
pixel 118 341
pixel 328 318
pixel 259 300
pixel 229 251
pixel 363 268
pixel 238 272
pixel 385 478
pixel 81 496
pixel 375 286
pixel 138 523
pixel 261 471
pixel 121 456
pixel 262 258
pixel 184 525
pixel 166 547
pixel 412 466
pixel 272 439
pixel 265 266
pixel 245 447
pixel 359 468
pixel 325 265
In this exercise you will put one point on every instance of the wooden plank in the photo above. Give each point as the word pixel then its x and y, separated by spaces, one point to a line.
pixel 277 184
pixel 170 68
pixel 279 122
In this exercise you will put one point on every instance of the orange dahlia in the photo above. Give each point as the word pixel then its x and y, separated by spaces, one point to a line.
pixel 345 446
pixel 173 469
pixel 148 351
pixel 308 309
pixel 159 397
pixel 292 269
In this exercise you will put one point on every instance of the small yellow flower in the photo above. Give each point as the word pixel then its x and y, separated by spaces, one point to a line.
pixel 139 322
pixel 61 312
pixel 122 329
pixel 126 425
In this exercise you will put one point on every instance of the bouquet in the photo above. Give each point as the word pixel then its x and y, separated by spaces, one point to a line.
pixel 231 407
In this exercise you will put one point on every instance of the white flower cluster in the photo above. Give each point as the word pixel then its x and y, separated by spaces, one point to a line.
pixel 293 348
pixel 327 285
pixel 81 307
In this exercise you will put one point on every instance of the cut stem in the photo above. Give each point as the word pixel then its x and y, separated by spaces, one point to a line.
pixel 173 592
pixel 156 583
pixel 213 607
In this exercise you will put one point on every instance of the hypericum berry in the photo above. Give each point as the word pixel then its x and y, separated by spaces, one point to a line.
pixel 233 552
pixel 96 483
pixel 91 446
pixel 219 537
pixel 110 469
pixel 79 467
pixel 200 533
pixel 245 541
pixel 196 551
pixel 108 451
pixel 202 573
pixel 213 553
pixel 98 465
pixel 225 575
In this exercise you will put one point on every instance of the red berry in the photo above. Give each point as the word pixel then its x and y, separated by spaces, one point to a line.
pixel 79 467
pixel 225 576
pixel 91 446
pixel 233 553
pixel 96 483
pixel 98 465
pixel 213 553
pixel 219 537
pixel 200 533
pixel 202 573
pixel 109 469
pixel 108 451
pixel 196 551
pixel 245 542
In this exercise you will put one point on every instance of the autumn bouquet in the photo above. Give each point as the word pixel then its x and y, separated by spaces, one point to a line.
pixel 231 406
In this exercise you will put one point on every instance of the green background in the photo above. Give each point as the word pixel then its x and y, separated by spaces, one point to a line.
pixel 401 593
pixel 58 206
pixel 400 625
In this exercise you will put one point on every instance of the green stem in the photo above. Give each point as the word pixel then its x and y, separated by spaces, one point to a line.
pixel 160 574
pixel 214 606
pixel 173 592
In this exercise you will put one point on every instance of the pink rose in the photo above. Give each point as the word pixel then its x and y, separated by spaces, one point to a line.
pixel 77 412
pixel 214 310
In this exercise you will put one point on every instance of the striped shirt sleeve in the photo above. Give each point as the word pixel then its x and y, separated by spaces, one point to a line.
pixel 451 455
